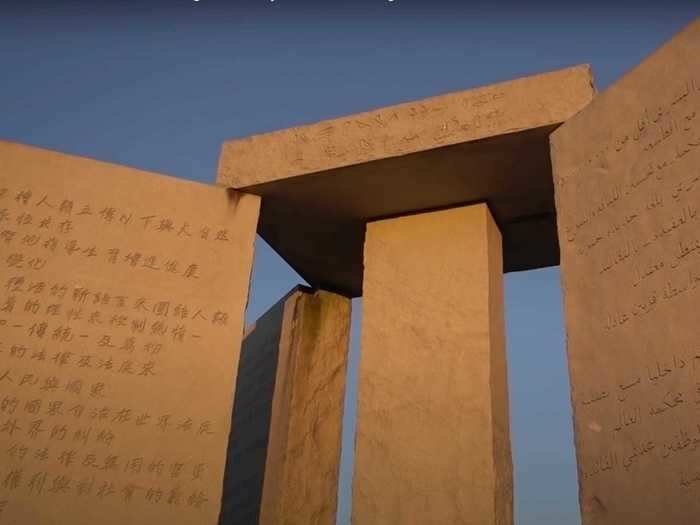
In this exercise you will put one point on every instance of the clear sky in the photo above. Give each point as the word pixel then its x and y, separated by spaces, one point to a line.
pixel 159 84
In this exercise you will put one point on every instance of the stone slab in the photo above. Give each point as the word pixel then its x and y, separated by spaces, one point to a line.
pixel 284 451
pixel 627 176
pixel 122 295
pixel 252 414
pixel 433 443
pixel 322 182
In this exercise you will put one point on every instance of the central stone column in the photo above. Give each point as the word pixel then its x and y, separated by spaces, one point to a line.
pixel 433 443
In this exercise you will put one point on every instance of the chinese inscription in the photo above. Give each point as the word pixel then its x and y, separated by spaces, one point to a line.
pixel 121 307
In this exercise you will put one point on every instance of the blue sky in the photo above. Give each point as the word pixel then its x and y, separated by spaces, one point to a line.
pixel 160 84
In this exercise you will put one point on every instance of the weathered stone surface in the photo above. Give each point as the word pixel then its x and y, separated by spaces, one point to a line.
pixel 627 178
pixel 121 318
pixel 252 413
pixel 486 144
pixel 444 120
pixel 433 443
pixel 285 445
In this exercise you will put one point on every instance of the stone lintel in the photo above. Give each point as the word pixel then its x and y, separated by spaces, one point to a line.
pixel 321 183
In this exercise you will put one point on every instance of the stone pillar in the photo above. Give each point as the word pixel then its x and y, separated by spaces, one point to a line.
pixel 627 183
pixel 154 272
pixel 433 444
pixel 284 450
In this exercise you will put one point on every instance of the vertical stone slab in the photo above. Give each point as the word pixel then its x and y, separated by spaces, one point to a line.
pixel 252 414
pixel 627 181
pixel 122 296
pixel 288 414
pixel 433 443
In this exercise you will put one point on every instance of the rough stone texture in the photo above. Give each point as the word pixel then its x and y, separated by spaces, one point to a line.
pixel 486 144
pixel 121 317
pixel 444 120
pixel 627 178
pixel 250 425
pixel 284 459
pixel 433 443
